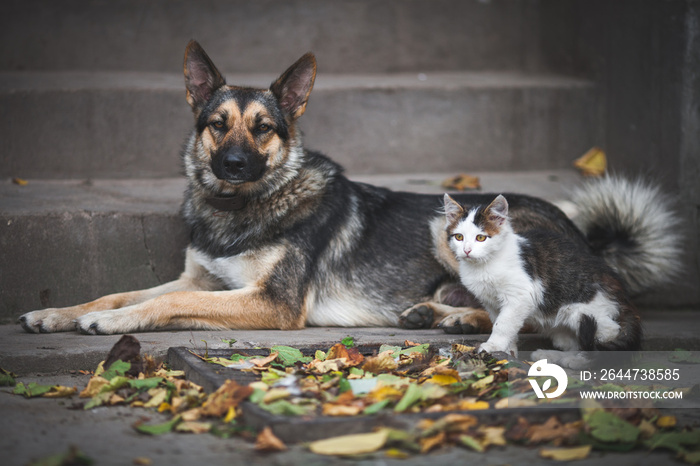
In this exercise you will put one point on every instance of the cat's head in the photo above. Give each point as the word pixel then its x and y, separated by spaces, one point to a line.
pixel 477 233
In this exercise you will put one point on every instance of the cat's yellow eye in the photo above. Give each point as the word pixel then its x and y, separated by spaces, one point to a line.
pixel 481 238
pixel 458 237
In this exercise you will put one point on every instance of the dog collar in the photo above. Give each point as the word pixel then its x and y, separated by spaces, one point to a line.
pixel 226 203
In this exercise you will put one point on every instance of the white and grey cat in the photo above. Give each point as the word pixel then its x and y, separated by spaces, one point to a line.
pixel 540 278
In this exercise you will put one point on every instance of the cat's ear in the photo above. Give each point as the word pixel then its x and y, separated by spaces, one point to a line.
pixel 453 211
pixel 498 210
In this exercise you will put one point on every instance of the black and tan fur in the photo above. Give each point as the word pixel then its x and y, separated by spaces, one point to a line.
pixel 280 238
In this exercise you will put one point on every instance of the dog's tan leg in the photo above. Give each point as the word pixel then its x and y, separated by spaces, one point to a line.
pixel 245 308
pixel 195 277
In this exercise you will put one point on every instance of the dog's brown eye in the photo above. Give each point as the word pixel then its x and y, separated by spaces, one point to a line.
pixel 218 124
pixel 264 128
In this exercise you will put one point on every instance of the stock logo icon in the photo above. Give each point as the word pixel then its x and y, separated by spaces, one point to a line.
pixel 543 369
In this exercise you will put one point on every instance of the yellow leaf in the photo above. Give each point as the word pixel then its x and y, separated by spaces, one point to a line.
pixel 350 444
pixel 646 429
pixel 20 181
pixel 230 415
pixel 492 436
pixel 592 163
pixel 164 406
pixel 115 399
pixel 158 396
pixel 142 461
pixel 275 394
pixel 514 403
pixel 194 427
pixel 472 405
pixel 442 379
pixel 396 454
pixel 191 414
pixel 59 391
pixel 94 386
pixel 566 454
pixel 666 421
pixel 482 383
pixel 384 392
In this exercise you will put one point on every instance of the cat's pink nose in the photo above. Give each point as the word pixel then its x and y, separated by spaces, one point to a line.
pixel 467 252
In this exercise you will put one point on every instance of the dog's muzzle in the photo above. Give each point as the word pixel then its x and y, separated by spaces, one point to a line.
pixel 238 166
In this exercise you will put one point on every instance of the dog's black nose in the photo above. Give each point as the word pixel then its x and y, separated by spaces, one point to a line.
pixel 234 164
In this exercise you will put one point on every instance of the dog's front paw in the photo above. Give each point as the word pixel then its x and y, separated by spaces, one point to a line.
pixel 458 323
pixel 104 322
pixel 46 321
pixel 418 316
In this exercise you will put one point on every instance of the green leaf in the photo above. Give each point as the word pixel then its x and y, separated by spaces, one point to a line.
pixel 145 384
pixel 7 378
pixel 675 441
pixel 285 408
pixel 157 429
pixel 289 356
pixel 230 341
pixel 320 355
pixel 692 457
pixel 344 385
pixel 348 341
pixel 31 390
pixel 607 427
pixel 118 368
pixel 98 400
pixel 412 396
pixel 376 407
pixel 471 442
pixel 72 457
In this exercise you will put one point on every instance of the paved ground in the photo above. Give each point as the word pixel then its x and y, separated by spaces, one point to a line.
pixel 35 428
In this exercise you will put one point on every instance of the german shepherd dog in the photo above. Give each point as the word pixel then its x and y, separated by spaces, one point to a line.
pixel 280 238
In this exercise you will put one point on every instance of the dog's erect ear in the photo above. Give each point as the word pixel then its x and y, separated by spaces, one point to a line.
pixel 201 76
pixel 293 87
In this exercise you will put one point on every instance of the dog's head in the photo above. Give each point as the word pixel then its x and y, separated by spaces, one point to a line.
pixel 244 136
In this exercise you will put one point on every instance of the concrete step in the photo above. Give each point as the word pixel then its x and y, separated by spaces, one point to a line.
pixel 23 353
pixel 357 36
pixel 132 124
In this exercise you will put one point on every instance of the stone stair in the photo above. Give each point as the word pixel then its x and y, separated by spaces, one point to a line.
pixel 94 115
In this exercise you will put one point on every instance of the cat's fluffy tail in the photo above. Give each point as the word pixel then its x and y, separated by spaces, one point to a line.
pixel 633 226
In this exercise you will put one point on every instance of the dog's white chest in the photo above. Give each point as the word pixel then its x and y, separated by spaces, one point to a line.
pixel 241 270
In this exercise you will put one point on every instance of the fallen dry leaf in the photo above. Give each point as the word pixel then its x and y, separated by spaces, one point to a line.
pixel 492 435
pixel 434 441
pixel 462 182
pixel 553 431
pixel 94 386
pixel 592 163
pixel 355 444
pixel 60 391
pixel 268 441
pixel 193 427
pixel 230 394
pixel 262 362
pixel 352 355
pixel 20 181
pixel 383 362
pixel 666 421
pixel 566 454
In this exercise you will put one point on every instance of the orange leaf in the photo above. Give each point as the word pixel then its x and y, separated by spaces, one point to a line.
pixel 267 441
pixel 462 182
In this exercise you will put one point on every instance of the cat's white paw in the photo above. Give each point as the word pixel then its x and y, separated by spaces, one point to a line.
pixel 491 347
